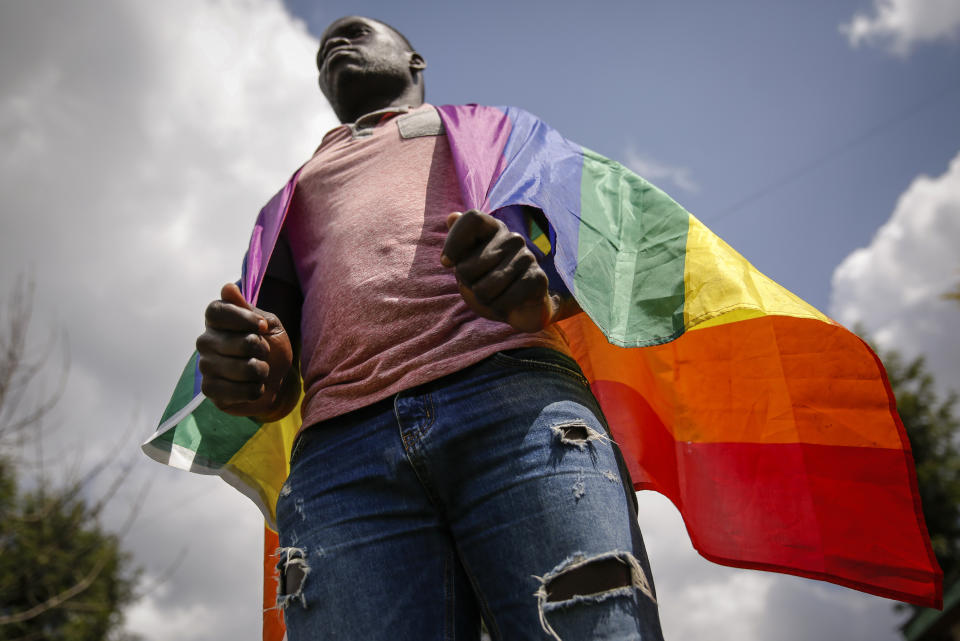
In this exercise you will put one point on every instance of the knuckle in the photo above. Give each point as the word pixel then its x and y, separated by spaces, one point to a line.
pixel 513 242
pixel 538 281
pixel 479 220
pixel 527 259
pixel 468 221
pixel 535 275
pixel 255 368
pixel 212 310
pixel 251 343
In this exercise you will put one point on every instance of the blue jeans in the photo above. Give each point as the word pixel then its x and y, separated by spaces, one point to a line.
pixel 491 492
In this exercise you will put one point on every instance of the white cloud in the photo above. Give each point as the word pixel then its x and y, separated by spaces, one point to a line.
pixel 182 621
pixel 694 595
pixel 895 285
pixel 137 143
pixel 656 171
pixel 898 25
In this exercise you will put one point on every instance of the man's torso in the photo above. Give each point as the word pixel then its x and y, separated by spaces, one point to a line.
pixel 366 231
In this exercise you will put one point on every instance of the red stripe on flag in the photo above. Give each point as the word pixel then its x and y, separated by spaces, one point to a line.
pixel 848 515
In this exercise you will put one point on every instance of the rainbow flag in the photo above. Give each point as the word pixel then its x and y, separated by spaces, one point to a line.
pixel 770 427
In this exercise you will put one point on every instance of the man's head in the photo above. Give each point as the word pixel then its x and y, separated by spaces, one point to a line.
pixel 366 65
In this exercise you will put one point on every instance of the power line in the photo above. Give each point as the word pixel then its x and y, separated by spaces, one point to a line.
pixel 808 167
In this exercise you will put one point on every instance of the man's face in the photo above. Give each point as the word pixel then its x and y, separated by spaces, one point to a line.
pixel 354 50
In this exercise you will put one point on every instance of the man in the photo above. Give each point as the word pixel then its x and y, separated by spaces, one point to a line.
pixel 453 463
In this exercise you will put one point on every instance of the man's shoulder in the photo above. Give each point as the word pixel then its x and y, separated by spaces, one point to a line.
pixel 421 122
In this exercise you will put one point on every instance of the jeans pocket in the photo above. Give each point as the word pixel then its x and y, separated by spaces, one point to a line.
pixel 542 359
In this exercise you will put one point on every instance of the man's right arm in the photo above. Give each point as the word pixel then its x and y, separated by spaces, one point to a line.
pixel 248 355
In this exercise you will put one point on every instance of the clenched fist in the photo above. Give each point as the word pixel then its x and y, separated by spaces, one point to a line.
pixel 246 359
pixel 498 275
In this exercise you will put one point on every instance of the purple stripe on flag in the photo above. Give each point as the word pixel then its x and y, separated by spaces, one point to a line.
pixel 197 376
pixel 264 239
pixel 477 135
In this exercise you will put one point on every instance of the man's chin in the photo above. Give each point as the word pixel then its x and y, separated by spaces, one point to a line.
pixel 338 80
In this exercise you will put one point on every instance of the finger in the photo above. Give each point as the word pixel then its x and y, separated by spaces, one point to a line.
pixel 452 218
pixel 234 344
pixel 479 308
pixel 530 289
pixel 237 370
pixel 225 393
pixel 496 281
pixel 233 318
pixel 232 295
pixel 496 253
pixel 468 230
pixel 270 323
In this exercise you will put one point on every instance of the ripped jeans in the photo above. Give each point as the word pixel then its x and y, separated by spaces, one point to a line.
pixel 491 492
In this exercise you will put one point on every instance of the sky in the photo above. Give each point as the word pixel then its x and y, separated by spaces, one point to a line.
pixel 139 139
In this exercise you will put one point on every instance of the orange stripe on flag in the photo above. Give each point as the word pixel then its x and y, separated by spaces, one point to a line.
pixel 772 379
pixel 273 627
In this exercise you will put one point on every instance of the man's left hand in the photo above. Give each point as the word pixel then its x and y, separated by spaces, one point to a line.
pixel 498 275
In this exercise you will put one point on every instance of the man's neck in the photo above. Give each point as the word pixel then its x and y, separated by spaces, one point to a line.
pixel 410 97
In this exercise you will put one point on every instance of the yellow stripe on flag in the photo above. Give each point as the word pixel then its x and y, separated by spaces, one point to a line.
pixel 542 243
pixel 264 461
pixel 721 286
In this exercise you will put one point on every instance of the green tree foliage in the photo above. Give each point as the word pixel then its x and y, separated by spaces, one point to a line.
pixel 932 429
pixel 62 575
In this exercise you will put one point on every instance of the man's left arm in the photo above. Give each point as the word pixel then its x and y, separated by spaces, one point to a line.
pixel 499 276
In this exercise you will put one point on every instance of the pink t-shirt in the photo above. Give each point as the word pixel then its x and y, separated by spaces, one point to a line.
pixel 366 230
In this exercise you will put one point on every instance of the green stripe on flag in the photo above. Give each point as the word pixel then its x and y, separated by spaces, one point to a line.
pixel 189 446
pixel 183 393
pixel 630 255
pixel 222 436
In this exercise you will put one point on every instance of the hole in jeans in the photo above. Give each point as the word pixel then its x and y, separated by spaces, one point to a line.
pixel 577 433
pixel 582 579
pixel 591 578
pixel 293 571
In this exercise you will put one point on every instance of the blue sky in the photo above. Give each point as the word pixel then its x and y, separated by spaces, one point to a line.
pixel 139 139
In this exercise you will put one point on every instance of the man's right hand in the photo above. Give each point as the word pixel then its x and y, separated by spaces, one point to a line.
pixel 246 359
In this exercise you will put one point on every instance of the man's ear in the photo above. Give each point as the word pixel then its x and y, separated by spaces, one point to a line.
pixel 417 63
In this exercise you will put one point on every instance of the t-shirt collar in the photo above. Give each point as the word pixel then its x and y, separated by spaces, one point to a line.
pixel 374 118
pixel 366 123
